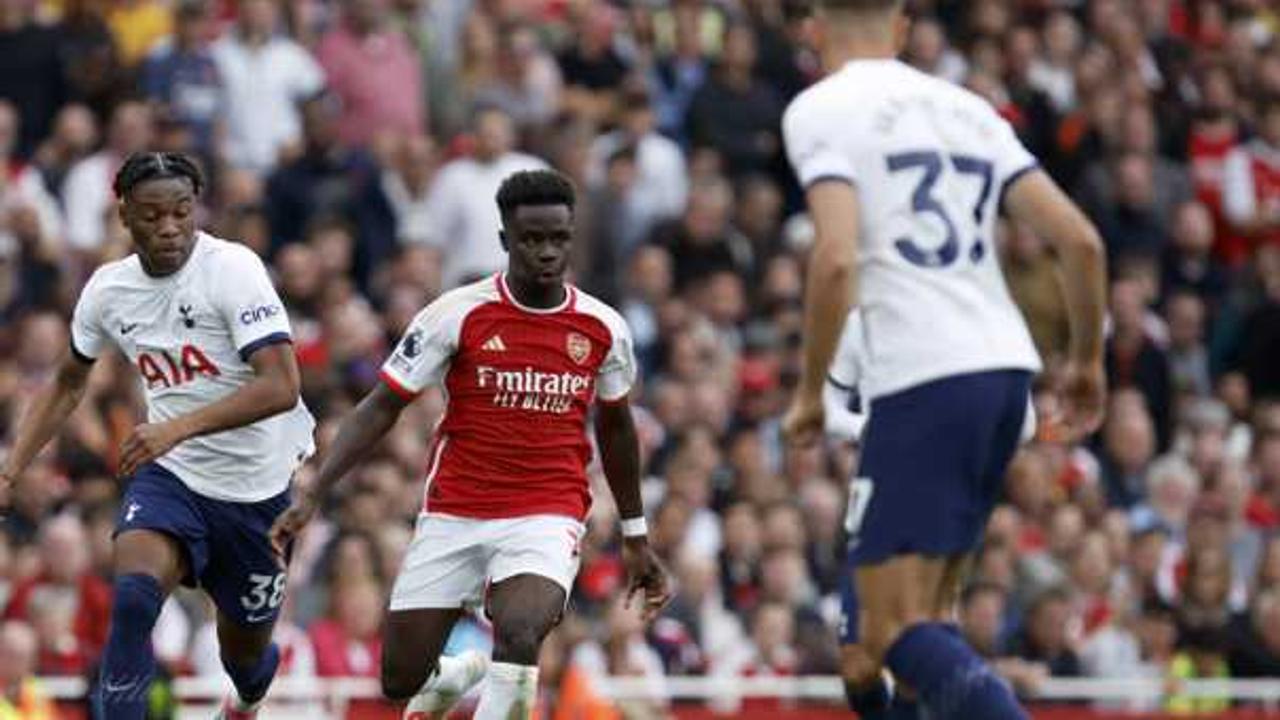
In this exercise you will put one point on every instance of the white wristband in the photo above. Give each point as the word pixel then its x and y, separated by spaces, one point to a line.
pixel 634 527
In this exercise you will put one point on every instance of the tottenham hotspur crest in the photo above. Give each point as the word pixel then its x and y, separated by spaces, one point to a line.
pixel 578 347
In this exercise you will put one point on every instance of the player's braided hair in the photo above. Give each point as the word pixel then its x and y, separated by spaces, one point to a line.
pixel 144 166
pixel 534 187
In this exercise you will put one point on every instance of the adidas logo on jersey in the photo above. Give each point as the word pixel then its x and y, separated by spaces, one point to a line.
pixel 494 344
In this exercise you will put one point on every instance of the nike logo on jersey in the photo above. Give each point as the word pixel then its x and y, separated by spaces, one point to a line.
pixel 494 344
pixel 126 329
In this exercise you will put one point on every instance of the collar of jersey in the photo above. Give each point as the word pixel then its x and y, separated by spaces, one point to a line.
pixel 186 267
pixel 505 292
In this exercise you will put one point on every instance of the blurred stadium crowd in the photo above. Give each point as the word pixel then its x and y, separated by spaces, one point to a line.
pixel 358 144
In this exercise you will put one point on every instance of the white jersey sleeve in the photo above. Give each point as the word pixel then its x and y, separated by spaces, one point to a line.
pixel 1011 158
pixel 618 371
pixel 809 149
pixel 249 304
pixel 87 334
pixel 422 356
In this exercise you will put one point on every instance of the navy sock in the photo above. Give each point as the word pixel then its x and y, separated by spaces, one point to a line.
pixel 252 681
pixel 127 662
pixel 870 702
pixel 950 678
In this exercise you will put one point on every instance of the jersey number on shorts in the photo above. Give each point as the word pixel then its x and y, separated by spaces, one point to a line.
pixel 860 492
pixel 923 201
pixel 267 592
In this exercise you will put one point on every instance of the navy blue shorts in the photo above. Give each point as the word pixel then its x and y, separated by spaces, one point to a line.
pixel 225 543
pixel 932 467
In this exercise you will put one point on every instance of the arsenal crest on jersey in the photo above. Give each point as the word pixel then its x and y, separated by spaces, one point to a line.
pixel 579 347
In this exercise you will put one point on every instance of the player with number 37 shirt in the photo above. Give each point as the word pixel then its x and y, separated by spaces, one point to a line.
pixel 904 175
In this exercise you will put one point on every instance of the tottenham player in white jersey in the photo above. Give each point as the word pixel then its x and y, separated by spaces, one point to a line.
pixel 903 175
pixel 209 471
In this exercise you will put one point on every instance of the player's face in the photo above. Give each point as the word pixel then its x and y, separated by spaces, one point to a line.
pixel 538 238
pixel 161 217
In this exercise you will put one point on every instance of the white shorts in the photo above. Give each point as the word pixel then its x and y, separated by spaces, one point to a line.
pixel 452 560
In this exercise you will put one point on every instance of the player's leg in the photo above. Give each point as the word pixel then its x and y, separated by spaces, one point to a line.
pixel 443 572
pixel 532 569
pixel 866 688
pixel 524 609
pixel 904 549
pixel 896 594
pixel 159 542
pixel 247 584
pixel 413 668
pixel 250 660
pixel 147 566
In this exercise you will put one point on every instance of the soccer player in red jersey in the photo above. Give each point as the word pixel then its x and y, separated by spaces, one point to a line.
pixel 522 355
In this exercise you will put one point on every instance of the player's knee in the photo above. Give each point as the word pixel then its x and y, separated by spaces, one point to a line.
pixel 136 601
pixel 518 642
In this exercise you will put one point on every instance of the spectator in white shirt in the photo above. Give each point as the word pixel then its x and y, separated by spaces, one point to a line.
pixel 87 196
pixel 462 200
pixel 265 75
pixel 662 179
pixel 21 185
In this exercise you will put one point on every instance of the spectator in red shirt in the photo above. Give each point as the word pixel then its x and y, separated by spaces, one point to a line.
pixel 64 561
pixel 347 642
pixel 53 619
pixel 1251 181
pixel 373 69
pixel 1215 131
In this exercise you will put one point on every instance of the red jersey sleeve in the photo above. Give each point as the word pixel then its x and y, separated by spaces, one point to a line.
pixel 422 356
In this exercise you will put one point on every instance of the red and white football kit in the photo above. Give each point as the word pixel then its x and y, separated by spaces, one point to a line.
pixel 506 486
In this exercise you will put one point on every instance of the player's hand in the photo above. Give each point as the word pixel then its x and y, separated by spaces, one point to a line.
pixel 645 575
pixel 1084 396
pixel 802 425
pixel 146 443
pixel 287 527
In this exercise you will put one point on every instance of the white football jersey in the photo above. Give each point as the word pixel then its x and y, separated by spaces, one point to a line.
pixel 189 335
pixel 929 161
pixel 843 397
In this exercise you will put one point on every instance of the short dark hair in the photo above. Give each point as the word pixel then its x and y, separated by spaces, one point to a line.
pixel 144 166
pixel 534 187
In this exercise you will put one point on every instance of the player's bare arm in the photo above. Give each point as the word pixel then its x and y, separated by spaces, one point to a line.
pixel 357 436
pixel 833 206
pixel 48 412
pixel 620 455
pixel 273 390
pixel 1034 199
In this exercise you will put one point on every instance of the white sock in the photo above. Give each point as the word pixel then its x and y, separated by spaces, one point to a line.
pixel 509 694
pixel 450 676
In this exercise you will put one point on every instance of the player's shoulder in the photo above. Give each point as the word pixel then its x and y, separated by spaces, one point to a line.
pixel 219 250
pixel 455 304
pixel 593 307
pixel 113 275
